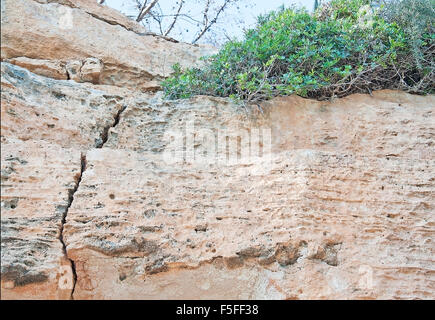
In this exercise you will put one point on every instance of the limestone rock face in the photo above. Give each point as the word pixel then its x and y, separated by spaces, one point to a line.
pixel 100 12
pixel 75 30
pixel 62 112
pixel 91 70
pixel 110 192
pixel 338 206
pixel 73 68
pixel 46 126
pixel 47 68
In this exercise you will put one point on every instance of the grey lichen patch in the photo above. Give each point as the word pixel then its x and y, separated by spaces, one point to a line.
pixel 252 252
pixel 16 159
pixel 22 258
pixel 201 227
pixel 58 95
pixel 9 204
pixel 6 172
pixel 21 276
pixel 10 166
pixel 134 246
pixel 149 213
pixel 150 228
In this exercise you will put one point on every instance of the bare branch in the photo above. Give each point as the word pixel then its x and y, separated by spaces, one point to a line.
pixel 139 4
pixel 158 19
pixel 150 14
pixel 205 19
pixel 175 19
pixel 146 9
pixel 208 25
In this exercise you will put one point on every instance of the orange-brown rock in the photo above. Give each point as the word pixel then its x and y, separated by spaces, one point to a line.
pixel 47 68
pixel 46 126
pixel 108 192
pixel 340 209
pixel 66 30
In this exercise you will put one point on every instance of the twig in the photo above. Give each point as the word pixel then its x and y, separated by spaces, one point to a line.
pixel 212 22
pixel 175 18
pixel 145 9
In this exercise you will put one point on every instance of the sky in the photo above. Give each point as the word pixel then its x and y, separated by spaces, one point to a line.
pixel 232 23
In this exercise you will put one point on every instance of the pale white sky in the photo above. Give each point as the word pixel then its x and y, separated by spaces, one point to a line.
pixel 233 22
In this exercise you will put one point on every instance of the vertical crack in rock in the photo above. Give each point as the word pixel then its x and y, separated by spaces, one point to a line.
pixel 105 133
pixel 71 193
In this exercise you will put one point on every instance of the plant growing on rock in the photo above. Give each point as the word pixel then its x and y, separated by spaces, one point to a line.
pixel 342 48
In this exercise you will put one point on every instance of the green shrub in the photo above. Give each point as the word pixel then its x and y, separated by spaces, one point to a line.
pixel 416 19
pixel 346 46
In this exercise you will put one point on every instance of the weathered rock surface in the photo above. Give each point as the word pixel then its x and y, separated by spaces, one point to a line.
pixel 36 177
pixel 75 30
pixel 111 193
pixel 47 68
pixel 342 208
pixel 46 126
pixel 62 112
pixel 100 12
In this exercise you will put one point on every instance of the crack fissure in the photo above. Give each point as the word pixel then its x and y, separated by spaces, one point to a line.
pixel 105 134
pixel 71 193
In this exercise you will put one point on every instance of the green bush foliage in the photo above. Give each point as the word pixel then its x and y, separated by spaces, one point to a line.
pixel 345 46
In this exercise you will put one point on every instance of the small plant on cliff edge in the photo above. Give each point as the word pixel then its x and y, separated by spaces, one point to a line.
pixel 346 46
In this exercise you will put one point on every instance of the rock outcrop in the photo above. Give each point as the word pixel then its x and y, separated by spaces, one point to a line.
pixel 64 31
pixel 108 191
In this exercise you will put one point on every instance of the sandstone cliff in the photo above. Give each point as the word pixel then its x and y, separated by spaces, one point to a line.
pixel 101 197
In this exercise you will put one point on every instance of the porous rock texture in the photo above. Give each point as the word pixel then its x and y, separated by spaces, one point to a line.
pixel 64 30
pixel 108 191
